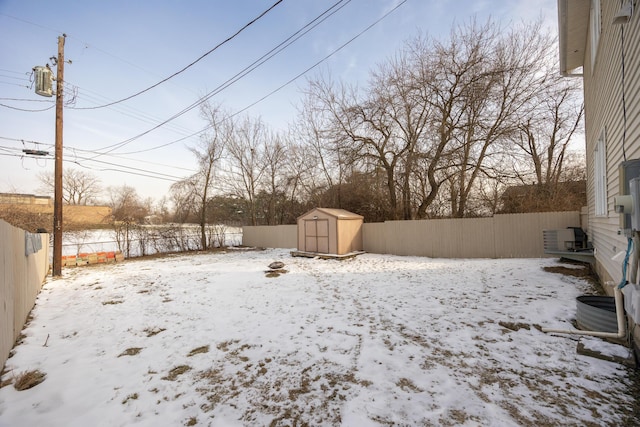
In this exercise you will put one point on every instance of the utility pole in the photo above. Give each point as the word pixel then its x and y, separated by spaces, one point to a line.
pixel 57 197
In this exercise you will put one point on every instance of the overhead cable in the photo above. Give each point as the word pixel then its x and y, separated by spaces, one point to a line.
pixel 127 110
pixel 259 100
pixel 25 109
pixel 27 100
pixel 72 152
pixel 322 60
pixel 264 58
pixel 188 66
pixel 25 141
pixel 127 169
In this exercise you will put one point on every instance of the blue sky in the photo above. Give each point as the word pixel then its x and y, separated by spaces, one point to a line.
pixel 118 48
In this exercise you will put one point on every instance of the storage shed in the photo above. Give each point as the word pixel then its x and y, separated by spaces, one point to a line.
pixel 330 231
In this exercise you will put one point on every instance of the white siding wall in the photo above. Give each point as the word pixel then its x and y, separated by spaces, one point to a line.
pixel 603 109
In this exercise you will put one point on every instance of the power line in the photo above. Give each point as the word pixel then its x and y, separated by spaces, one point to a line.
pixel 230 81
pixel 132 173
pixel 264 58
pixel 244 109
pixel 74 150
pixel 322 60
pixel 27 110
pixel 15 77
pixel 128 169
pixel 32 23
pixel 5 148
pixel 125 110
pixel 190 65
pixel 18 153
pixel 86 45
pixel 4 70
pixel 118 145
pixel 15 84
pixel 74 154
pixel 26 100
pixel 25 141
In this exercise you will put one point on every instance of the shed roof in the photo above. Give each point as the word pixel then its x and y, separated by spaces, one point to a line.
pixel 573 26
pixel 336 213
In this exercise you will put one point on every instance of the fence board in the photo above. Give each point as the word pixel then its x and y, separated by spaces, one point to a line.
pixel 274 236
pixel 20 282
pixel 501 236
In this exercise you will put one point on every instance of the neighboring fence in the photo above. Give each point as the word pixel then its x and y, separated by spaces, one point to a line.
pixel 501 236
pixel 21 278
pixel 141 240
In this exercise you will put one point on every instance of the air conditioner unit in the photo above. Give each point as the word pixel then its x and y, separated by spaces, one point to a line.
pixel 563 240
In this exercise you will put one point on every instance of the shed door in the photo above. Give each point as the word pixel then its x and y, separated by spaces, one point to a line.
pixel 316 235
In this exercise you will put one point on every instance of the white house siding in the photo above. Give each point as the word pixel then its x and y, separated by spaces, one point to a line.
pixel 603 108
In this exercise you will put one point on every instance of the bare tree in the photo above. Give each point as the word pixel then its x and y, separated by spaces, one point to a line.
pixel 161 209
pixel 78 187
pixel 195 191
pixel 484 78
pixel 126 205
pixel 362 131
pixel 183 197
pixel 276 181
pixel 127 210
pixel 545 133
pixel 434 117
pixel 394 86
pixel 298 171
pixel 246 165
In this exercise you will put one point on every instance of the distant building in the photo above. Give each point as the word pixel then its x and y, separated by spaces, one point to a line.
pixel 25 199
pixel 32 212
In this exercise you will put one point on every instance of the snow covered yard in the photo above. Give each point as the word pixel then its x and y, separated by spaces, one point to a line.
pixel 212 340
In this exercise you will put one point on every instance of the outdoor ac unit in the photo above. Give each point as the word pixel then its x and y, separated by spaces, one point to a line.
pixel 560 240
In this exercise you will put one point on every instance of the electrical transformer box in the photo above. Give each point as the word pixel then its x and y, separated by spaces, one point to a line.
pixel 43 81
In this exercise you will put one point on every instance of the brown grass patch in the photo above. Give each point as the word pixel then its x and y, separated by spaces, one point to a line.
pixel 112 302
pixel 131 351
pixel 176 372
pixel 153 331
pixel 224 346
pixel 275 273
pixel 514 326
pixel 133 396
pixel 6 382
pixel 28 379
pixel 199 350
pixel 581 271
pixel 407 385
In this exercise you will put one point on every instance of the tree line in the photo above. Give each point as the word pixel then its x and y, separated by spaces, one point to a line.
pixel 472 124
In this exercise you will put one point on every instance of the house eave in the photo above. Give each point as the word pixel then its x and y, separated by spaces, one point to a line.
pixel 573 28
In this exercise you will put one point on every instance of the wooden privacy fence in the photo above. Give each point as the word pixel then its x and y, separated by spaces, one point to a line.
pixel 23 267
pixel 501 236
pixel 270 236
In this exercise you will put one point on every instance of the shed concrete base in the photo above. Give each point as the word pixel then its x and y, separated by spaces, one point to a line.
pixel 326 256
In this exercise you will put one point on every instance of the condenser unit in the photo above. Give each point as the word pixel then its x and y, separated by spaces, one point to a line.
pixel 566 239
